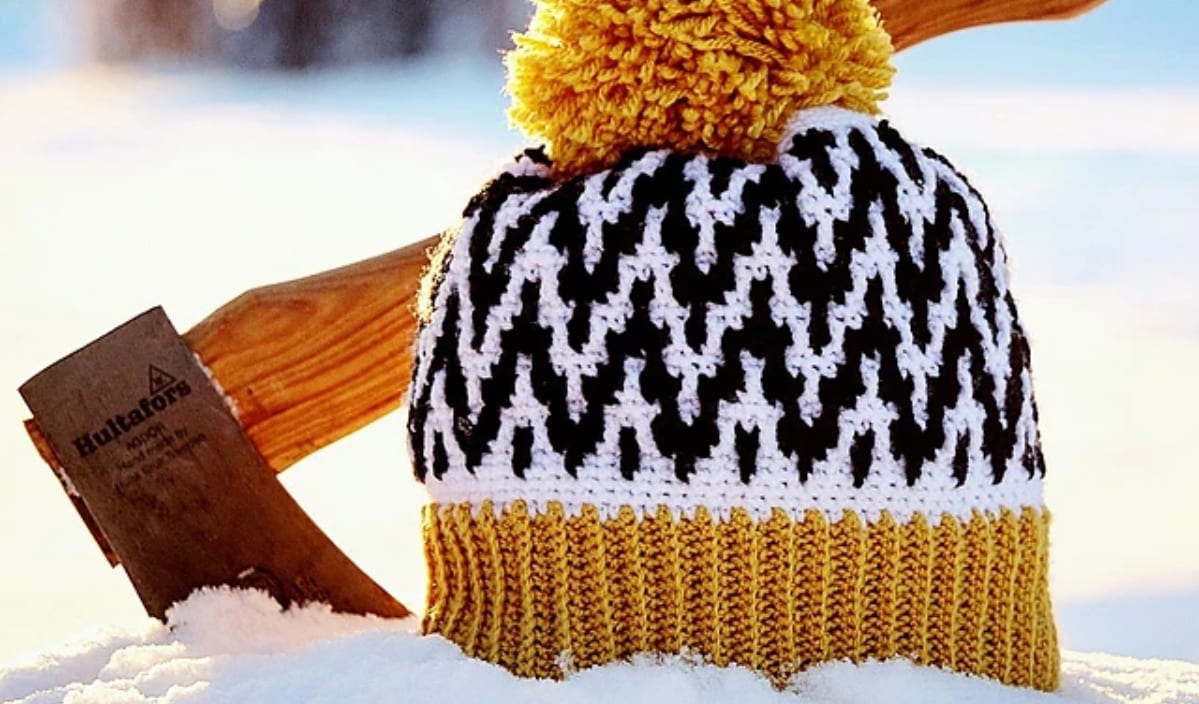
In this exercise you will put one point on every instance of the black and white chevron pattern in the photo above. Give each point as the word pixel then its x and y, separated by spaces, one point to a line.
pixel 844 307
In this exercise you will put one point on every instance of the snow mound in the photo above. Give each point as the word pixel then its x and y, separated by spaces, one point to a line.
pixel 240 646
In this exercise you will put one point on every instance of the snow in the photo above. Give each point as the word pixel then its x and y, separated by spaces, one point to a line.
pixel 123 189
pixel 239 646
pixel 127 189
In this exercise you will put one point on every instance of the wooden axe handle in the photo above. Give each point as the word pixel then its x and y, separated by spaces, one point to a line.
pixel 309 361
pixel 910 22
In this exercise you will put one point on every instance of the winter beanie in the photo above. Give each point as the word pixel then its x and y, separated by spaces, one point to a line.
pixel 767 410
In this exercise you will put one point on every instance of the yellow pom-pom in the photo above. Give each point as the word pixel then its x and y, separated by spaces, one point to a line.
pixel 594 78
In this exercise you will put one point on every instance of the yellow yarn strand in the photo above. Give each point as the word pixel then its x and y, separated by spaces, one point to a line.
pixel 914 589
pixel 594 79
pixel 879 616
pixel 590 602
pixel 476 566
pixel 811 595
pixel 699 550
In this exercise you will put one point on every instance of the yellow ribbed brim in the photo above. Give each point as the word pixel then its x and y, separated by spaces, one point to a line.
pixel 540 593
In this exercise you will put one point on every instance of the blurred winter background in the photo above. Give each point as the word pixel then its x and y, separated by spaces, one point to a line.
pixel 178 152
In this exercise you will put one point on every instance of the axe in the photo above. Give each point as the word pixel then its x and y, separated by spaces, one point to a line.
pixel 168 444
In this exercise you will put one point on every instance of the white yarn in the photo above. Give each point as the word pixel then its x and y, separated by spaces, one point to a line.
pixel 715 483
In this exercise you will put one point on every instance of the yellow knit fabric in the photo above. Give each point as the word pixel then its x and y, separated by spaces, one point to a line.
pixel 540 593
pixel 594 78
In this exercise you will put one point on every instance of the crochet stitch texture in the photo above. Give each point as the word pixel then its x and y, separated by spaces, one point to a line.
pixel 772 413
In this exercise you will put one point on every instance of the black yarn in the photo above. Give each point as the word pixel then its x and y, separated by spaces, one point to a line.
pixel 915 438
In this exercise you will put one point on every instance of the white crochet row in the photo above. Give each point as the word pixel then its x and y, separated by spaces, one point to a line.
pixel 715 485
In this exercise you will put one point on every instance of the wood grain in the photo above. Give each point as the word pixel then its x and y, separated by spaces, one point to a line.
pixel 309 361
pixel 910 22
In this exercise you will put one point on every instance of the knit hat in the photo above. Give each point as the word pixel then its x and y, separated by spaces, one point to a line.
pixel 765 411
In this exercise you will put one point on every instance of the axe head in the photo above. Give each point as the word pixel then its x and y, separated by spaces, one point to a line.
pixel 158 466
